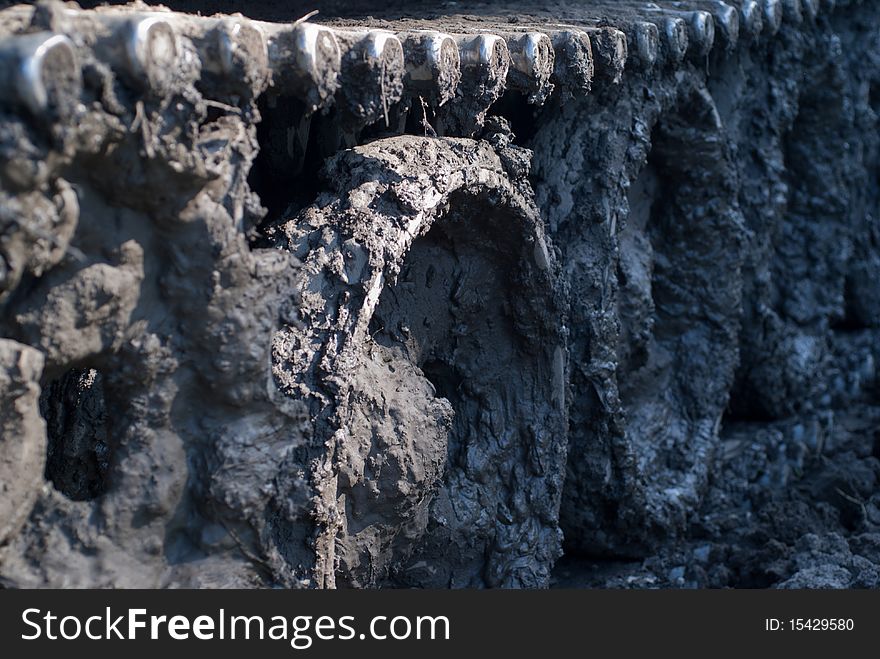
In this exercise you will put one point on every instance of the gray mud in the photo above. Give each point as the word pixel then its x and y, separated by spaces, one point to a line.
pixel 423 293
pixel 624 338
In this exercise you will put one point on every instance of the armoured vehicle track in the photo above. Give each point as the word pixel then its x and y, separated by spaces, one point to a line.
pixel 457 295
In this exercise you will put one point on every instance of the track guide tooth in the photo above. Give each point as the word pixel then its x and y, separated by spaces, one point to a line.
pixel 433 66
pixel 42 74
pixel 305 61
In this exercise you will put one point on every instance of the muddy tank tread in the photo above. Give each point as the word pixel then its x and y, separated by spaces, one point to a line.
pixel 453 294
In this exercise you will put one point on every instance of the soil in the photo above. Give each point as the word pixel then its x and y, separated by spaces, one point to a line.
pixel 626 338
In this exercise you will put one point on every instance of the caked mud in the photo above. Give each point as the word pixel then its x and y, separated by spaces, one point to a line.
pixel 426 283
pixel 436 297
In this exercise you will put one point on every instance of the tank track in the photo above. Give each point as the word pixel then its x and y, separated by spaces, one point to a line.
pixel 289 303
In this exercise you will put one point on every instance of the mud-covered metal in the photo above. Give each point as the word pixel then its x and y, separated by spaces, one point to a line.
pixel 531 64
pixel 373 73
pixel 439 300
pixel 305 61
pixel 41 73
pixel 433 65
pixel 485 62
